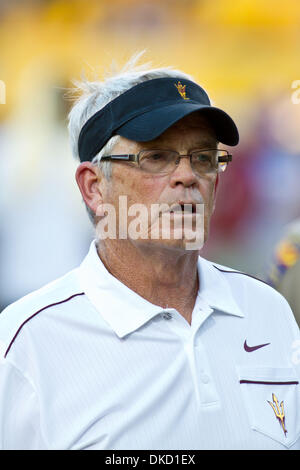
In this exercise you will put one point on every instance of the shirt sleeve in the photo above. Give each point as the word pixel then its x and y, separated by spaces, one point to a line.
pixel 19 411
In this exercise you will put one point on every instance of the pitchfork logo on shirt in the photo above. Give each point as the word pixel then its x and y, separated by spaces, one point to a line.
pixel 279 411
pixel 181 90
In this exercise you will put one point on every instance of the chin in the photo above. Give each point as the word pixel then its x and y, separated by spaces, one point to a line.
pixel 179 245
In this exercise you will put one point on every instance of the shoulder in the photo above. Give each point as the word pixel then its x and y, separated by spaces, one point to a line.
pixel 249 287
pixel 56 293
pixel 257 296
pixel 241 275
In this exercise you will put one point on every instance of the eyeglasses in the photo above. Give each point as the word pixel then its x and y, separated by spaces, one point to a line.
pixel 203 161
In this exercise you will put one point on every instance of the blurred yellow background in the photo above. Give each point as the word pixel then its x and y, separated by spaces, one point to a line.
pixel 245 53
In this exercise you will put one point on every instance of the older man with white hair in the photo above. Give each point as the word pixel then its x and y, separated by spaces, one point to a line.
pixel 147 345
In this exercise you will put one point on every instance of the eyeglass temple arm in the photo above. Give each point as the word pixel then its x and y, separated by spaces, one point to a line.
pixel 226 158
pixel 126 157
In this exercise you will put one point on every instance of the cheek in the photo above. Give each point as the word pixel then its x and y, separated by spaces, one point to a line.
pixel 208 193
pixel 141 189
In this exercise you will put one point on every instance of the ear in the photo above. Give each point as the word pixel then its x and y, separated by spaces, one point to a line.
pixel 89 182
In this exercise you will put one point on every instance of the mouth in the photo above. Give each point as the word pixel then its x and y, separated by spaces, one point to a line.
pixel 184 208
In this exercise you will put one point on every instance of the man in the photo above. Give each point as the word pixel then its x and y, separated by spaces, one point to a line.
pixel 147 345
pixel 284 274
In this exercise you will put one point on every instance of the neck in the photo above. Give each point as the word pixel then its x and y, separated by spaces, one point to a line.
pixel 163 276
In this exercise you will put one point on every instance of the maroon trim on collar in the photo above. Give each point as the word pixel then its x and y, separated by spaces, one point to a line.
pixel 268 383
pixel 240 272
pixel 29 318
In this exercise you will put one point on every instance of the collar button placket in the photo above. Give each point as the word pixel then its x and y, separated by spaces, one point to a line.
pixel 205 380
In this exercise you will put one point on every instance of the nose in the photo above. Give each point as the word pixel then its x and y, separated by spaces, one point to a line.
pixel 183 173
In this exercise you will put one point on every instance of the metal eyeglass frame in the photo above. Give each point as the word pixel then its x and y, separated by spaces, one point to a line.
pixel 135 157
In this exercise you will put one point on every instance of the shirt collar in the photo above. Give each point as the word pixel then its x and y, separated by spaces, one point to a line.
pixel 125 311
pixel 215 289
pixel 122 308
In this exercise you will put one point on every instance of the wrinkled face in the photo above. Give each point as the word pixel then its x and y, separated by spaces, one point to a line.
pixel 150 195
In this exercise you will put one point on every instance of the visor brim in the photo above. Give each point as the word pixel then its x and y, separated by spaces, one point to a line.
pixel 152 124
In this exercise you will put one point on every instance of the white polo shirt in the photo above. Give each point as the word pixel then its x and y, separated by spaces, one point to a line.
pixel 89 364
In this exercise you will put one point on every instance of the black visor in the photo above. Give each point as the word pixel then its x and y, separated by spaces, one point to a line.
pixel 145 111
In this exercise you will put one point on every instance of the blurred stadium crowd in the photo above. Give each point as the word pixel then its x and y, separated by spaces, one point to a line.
pixel 245 54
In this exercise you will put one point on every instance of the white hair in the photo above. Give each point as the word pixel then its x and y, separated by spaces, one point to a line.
pixel 94 95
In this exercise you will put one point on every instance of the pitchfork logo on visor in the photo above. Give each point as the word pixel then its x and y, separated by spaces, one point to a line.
pixel 181 90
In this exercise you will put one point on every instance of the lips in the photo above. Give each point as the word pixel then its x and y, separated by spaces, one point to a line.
pixel 184 207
